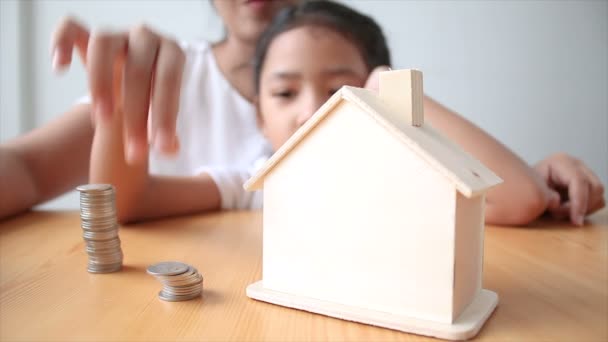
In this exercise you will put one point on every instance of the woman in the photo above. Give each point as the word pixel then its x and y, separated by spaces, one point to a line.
pixel 217 88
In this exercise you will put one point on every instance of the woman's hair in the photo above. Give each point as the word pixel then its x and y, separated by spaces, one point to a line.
pixel 359 29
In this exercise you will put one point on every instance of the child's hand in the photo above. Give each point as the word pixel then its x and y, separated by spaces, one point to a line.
pixel 135 72
pixel 580 191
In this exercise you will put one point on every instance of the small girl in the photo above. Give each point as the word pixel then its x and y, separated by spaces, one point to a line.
pixel 311 50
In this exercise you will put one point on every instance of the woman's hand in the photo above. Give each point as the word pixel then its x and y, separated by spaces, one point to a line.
pixel 138 72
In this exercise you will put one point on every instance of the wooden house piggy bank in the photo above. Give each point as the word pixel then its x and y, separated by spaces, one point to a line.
pixel 371 215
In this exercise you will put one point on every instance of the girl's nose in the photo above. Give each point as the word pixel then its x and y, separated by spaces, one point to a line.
pixel 311 106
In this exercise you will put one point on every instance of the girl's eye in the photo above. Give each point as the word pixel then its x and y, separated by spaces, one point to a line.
pixel 286 94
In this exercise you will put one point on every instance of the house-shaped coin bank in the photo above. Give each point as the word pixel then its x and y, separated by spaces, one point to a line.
pixel 371 215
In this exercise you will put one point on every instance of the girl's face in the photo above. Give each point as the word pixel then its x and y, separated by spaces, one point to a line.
pixel 302 69
pixel 247 19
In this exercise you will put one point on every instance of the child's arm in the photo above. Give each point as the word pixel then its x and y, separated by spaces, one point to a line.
pixel 140 195
pixel 45 162
pixel 523 196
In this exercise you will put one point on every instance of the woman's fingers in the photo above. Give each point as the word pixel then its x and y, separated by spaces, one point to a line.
pixel 137 73
pixel 165 96
pixel 69 33
pixel 105 60
pixel 136 84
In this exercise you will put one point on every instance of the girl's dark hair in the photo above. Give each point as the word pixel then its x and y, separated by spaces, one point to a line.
pixel 360 29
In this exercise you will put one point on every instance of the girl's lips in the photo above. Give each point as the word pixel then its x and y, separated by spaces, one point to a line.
pixel 258 5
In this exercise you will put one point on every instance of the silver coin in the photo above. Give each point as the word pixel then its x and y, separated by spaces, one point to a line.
pixel 105 203
pixel 170 298
pixel 97 212
pixel 97 215
pixel 176 298
pixel 102 249
pixel 167 268
pixel 94 187
pixel 106 264
pixel 102 252
pixel 175 277
pixel 106 243
pixel 194 279
pixel 92 196
pixel 104 267
pixel 103 263
pixel 100 228
pixel 96 192
pixel 187 282
pixel 98 219
pixel 102 198
pixel 110 269
pixel 105 259
pixel 185 285
pixel 102 235
pixel 112 243
pixel 188 286
pixel 182 291
pixel 85 210
pixel 98 205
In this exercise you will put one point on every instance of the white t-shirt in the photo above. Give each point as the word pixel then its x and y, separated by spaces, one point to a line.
pixel 217 130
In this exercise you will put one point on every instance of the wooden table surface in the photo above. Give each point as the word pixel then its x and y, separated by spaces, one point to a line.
pixel 552 280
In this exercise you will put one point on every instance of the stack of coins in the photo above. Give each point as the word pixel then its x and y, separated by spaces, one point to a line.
pixel 180 281
pixel 100 228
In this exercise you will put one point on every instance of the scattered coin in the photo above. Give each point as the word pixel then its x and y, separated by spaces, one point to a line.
pixel 167 268
pixel 100 228
pixel 180 281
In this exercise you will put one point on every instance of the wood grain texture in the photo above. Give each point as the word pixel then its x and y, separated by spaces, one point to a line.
pixel 552 281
